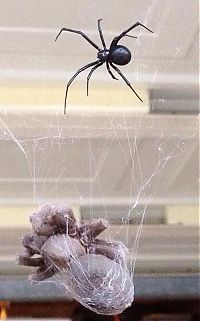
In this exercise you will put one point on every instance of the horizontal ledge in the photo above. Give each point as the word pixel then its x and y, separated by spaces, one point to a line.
pixel 54 31
pixel 50 75
pixel 146 287
pixel 88 124
pixel 98 201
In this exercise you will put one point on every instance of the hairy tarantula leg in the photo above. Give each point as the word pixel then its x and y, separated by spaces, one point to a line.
pixel 101 33
pixel 30 261
pixel 109 252
pixel 74 76
pixel 92 228
pixel 123 34
pixel 110 71
pixel 28 242
pixel 112 250
pixel 103 242
pixel 80 33
pixel 91 72
pixel 126 80
pixel 42 274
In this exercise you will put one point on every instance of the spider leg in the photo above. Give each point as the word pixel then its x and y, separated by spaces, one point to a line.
pixel 116 39
pixel 109 252
pixel 131 36
pixel 30 261
pixel 92 228
pixel 91 72
pixel 110 72
pixel 42 273
pixel 74 76
pixel 101 34
pixel 80 33
pixel 126 80
pixel 32 243
pixel 112 250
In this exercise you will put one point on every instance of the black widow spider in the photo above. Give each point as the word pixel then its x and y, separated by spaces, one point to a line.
pixel 116 54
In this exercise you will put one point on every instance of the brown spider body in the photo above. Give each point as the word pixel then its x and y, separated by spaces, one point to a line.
pixel 94 271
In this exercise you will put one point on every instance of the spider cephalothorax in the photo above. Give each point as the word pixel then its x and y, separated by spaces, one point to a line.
pixel 115 55
pixel 94 271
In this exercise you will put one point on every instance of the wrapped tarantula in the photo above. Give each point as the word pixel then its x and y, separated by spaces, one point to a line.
pixel 92 270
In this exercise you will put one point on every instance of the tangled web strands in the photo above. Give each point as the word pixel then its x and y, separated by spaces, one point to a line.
pixel 92 270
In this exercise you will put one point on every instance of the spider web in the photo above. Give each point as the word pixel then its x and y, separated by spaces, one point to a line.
pixel 112 149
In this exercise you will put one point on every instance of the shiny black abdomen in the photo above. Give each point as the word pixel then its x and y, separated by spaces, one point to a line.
pixel 120 55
